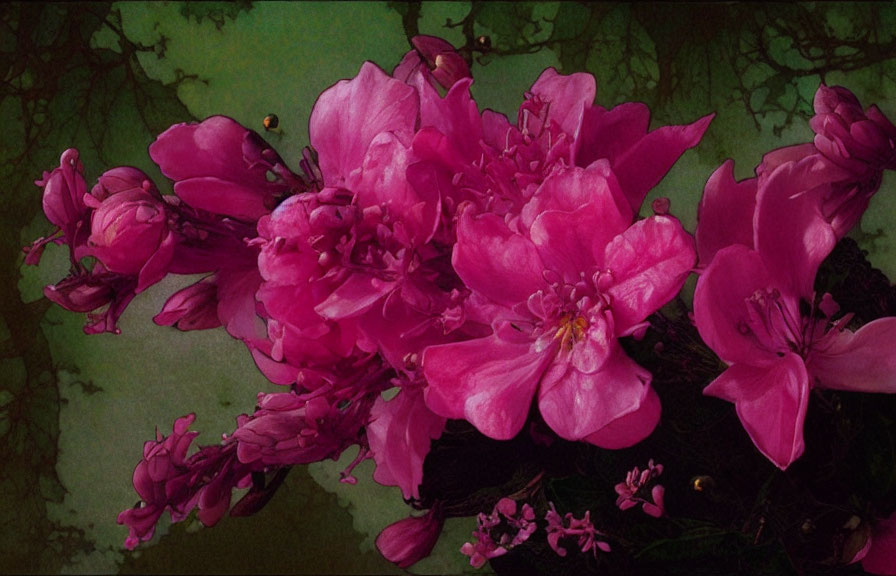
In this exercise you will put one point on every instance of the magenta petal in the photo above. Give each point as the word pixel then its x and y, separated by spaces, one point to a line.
pixel 353 297
pixel 496 262
pixel 649 263
pixel 350 114
pixel 771 403
pixel 224 197
pixel 864 361
pixel 576 405
pixel 631 428
pixel 725 214
pixel 399 433
pixel 645 163
pixel 610 133
pixel 157 266
pixel 488 381
pixel 213 146
pixel 790 231
pixel 577 212
pixel 192 308
pixel 880 558
pixel 569 96
pixel 733 276
pixel 237 304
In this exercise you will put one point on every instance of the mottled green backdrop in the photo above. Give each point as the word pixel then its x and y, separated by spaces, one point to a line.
pixel 106 78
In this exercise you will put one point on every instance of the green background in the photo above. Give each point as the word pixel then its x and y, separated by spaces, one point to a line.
pixel 106 78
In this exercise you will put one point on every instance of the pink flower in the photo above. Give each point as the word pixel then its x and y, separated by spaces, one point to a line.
pixel 506 527
pixel 408 541
pixel 587 537
pixel 560 294
pixel 634 490
pixel 756 308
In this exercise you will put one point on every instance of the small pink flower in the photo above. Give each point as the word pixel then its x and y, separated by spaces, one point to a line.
pixel 587 537
pixel 633 491
pixel 506 527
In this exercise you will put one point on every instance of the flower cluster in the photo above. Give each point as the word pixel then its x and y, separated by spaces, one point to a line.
pixel 432 262
pixel 507 526
pixel 586 536
pixel 637 483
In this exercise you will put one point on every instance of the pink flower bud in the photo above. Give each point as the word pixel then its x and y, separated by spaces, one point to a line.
pixel 408 541
pixel 64 189
pixel 127 230
pixel 193 308
pixel 121 179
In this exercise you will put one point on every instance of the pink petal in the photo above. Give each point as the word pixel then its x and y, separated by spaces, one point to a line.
pixel 350 114
pixel 576 405
pixel 610 133
pixel 643 165
pixel 631 428
pixel 569 96
pixel 649 263
pixel 771 403
pixel 577 212
pixel 399 433
pixel 880 558
pixel 237 304
pixel 790 231
pixel 383 182
pixel 211 147
pixel 733 276
pixel 355 296
pixel 725 214
pixel 489 381
pixel 496 262
pixel 157 266
pixel 864 361
pixel 224 197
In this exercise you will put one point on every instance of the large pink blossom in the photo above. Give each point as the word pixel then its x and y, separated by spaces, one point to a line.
pixel 559 296
pixel 755 306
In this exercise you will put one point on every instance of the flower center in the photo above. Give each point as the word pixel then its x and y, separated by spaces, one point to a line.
pixel 772 323
pixel 571 330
